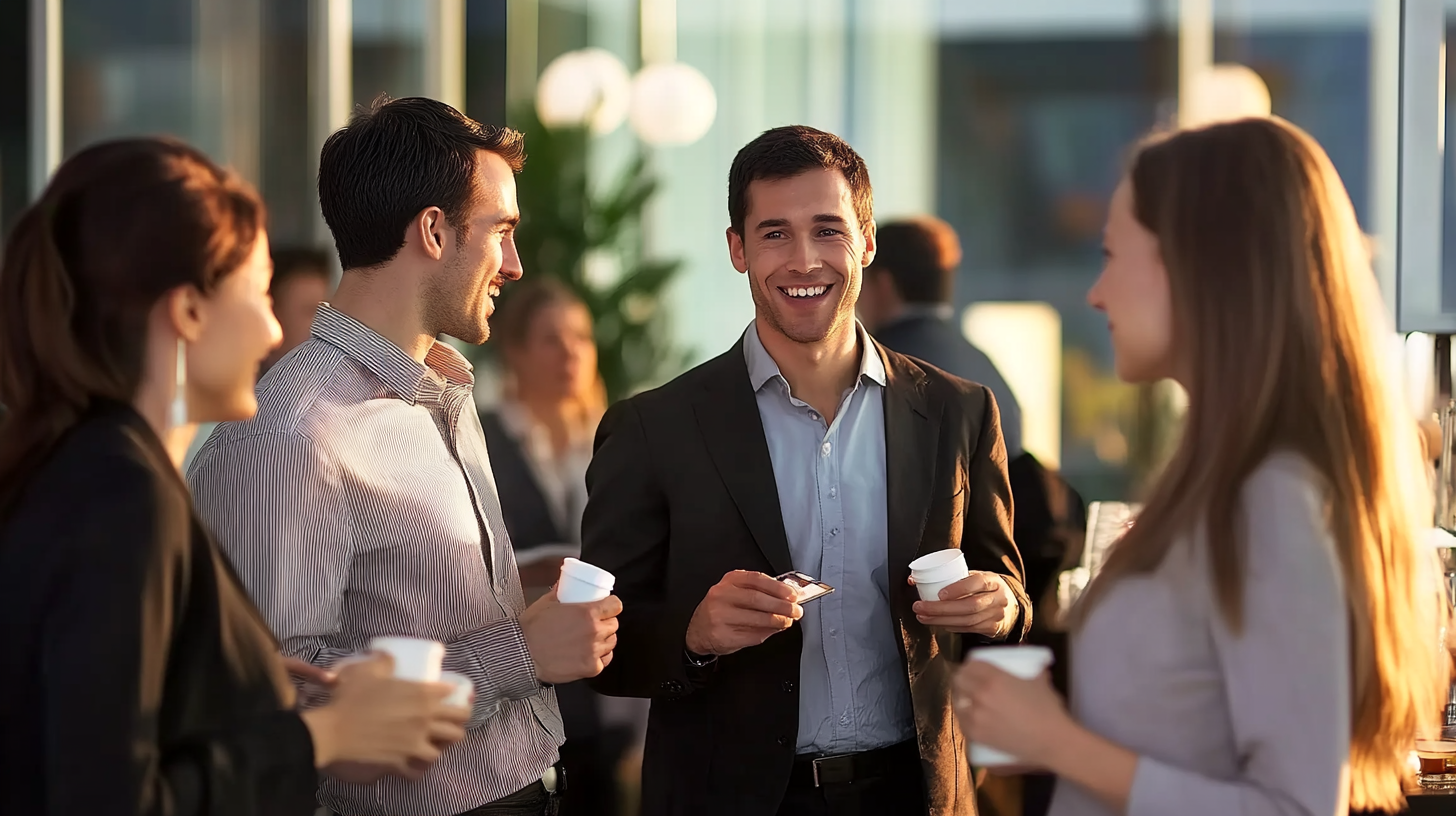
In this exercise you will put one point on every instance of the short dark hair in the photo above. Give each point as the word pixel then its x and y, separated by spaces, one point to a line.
pixel 394 160
pixel 785 152
pixel 297 262
pixel 920 255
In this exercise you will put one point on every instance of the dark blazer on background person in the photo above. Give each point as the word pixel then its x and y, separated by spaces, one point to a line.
pixel 137 676
pixel 528 515
pixel 531 523
pixel 925 334
pixel 682 491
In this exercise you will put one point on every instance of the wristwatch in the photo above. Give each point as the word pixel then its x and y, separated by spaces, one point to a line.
pixel 698 661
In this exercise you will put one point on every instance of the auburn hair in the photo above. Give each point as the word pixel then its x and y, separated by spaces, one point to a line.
pixel 120 224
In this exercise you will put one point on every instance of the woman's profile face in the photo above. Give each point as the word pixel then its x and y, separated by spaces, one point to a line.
pixel 238 330
pixel 557 359
pixel 1133 292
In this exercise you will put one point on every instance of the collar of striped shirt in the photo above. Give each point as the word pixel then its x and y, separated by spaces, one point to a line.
pixel 402 374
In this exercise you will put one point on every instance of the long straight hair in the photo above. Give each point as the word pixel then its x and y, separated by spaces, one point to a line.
pixel 121 224
pixel 1276 313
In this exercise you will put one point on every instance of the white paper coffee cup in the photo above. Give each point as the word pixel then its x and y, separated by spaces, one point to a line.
pixel 464 689
pixel 936 571
pixel 583 583
pixel 1025 662
pixel 414 658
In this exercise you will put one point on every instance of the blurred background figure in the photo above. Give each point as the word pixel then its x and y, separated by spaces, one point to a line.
pixel 540 438
pixel 301 281
pixel 906 303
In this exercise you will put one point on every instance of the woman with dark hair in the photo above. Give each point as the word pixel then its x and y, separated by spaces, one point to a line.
pixel 137 676
pixel 1265 638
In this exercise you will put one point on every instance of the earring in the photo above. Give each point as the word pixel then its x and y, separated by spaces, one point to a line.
pixel 179 398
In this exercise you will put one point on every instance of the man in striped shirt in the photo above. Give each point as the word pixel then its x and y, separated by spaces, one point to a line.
pixel 360 500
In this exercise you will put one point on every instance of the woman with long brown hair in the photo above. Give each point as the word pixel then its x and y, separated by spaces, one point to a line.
pixel 137 676
pixel 1265 638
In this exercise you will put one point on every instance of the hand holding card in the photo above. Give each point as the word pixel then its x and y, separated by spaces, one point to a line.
pixel 805 587
pixel 742 610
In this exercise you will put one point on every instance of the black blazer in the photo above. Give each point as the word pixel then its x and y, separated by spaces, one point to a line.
pixel 137 677
pixel 682 491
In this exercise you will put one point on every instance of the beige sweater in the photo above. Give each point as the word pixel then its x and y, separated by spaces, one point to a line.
pixel 1254 724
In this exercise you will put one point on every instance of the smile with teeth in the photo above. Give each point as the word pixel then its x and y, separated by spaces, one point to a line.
pixel 804 291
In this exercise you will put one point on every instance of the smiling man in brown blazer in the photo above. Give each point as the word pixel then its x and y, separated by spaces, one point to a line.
pixel 805 447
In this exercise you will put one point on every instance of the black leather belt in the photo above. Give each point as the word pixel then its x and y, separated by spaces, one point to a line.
pixel 818 770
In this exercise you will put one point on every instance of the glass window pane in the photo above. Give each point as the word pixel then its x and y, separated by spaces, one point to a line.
pixel 130 68
pixel 389 48
pixel 1034 119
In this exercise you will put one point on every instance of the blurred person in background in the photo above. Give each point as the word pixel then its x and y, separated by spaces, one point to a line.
pixel 300 283
pixel 360 501
pixel 806 446
pixel 907 304
pixel 540 445
pixel 139 678
pixel 1264 638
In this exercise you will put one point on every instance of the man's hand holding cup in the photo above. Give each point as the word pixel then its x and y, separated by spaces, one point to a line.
pixel 572 630
pixel 742 610
pixel 959 599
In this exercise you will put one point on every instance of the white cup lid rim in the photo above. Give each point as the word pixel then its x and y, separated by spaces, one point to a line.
pixel 935 560
pixel 587 573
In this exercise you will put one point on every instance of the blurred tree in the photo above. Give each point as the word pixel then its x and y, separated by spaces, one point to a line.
pixel 592 241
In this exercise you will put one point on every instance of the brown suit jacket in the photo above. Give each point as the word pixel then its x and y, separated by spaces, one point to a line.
pixel 682 491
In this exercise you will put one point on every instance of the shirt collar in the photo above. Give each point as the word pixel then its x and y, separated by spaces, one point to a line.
pixel 762 368
pixel 400 373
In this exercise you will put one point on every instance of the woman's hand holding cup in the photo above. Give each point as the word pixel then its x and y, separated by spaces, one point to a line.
pixel 377 724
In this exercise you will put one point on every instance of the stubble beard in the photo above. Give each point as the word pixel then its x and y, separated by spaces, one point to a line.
pixel 451 308
pixel 767 308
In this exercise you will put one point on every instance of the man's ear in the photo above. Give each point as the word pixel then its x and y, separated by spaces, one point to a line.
pixel 736 251
pixel 869 251
pixel 428 228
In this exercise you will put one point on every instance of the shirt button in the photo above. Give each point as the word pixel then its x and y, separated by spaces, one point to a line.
pixel 834 531
pixel 833 492
pixel 824 449
pixel 814 415
pixel 788 686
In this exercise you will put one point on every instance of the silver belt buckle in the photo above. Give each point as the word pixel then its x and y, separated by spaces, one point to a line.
pixel 548 779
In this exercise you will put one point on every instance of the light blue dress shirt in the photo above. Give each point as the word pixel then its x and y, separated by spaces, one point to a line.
pixel 854 695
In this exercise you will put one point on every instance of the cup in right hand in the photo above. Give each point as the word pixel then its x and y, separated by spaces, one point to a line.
pixel 583 583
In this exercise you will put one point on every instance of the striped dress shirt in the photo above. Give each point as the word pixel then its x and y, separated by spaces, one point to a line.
pixel 360 502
